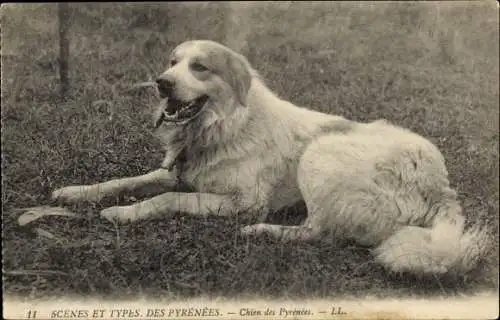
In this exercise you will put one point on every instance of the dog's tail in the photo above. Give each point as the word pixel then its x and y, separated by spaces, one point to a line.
pixel 443 248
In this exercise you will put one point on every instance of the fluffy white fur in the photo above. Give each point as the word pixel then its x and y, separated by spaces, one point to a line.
pixel 250 151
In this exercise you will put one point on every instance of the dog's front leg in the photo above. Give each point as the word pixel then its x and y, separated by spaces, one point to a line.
pixel 200 204
pixel 283 233
pixel 157 181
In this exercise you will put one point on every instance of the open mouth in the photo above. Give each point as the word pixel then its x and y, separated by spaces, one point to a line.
pixel 178 111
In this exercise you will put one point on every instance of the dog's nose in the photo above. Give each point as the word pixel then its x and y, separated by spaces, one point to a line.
pixel 165 85
pixel 164 82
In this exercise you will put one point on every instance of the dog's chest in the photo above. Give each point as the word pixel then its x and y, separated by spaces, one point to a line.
pixel 260 181
pixel 224 178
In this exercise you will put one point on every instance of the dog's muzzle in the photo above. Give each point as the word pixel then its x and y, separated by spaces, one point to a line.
pixel 178 111
pixel 165 87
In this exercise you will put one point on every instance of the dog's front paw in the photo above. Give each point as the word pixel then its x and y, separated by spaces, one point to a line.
pixel 74 194
pixel 168 163
pixel 252 230
pixel 124 214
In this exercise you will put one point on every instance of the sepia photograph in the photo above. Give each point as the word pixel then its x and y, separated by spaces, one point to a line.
pixel 247 159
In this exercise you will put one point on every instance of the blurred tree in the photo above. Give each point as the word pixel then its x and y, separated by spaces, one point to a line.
pixel 63 47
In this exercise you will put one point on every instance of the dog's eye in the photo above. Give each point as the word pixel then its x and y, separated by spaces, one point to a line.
pixel 198 67
pixel 173 62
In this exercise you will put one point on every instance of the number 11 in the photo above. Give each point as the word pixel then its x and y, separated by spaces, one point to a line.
pixel 31 314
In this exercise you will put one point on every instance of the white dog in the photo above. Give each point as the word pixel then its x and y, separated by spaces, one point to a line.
pixel 243 149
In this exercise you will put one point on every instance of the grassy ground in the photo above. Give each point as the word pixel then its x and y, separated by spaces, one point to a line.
pixel 431 67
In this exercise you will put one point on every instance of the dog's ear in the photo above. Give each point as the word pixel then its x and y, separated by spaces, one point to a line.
pixel 238 76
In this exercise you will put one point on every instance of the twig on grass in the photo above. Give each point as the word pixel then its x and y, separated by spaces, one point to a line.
pixel 443 291
pixel 185 285
pixel 34 213
pixel 117 237
pixel 85 242
pixel 225 262
pixel 35 273
pixel 141 85
pixel 48 235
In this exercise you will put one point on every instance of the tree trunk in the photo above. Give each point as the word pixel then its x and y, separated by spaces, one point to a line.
pixel 63 47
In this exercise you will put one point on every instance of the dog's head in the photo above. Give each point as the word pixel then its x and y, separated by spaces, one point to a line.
pixel 203 79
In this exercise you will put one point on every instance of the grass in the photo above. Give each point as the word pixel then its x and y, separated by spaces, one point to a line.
pixel 431 67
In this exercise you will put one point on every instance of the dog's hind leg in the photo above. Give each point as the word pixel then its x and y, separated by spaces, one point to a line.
pixel 392 195
pixel 335 177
